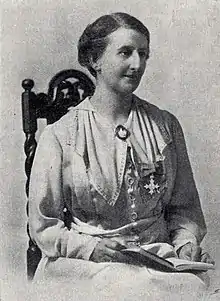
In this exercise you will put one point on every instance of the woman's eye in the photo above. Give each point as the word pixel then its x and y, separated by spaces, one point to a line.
pixel 125 53
pixel 143 54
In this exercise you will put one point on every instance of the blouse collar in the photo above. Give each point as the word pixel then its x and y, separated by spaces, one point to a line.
pixel 153 112
pixel 107 154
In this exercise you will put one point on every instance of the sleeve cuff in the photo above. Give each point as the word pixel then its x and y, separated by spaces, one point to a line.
pixel 81 246
pixel 86 251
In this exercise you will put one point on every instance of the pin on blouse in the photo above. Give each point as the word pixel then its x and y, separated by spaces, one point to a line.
pixel 121 132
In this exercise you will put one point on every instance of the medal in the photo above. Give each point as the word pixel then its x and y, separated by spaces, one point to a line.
pixel 152 186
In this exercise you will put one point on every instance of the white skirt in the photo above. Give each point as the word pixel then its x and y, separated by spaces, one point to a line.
pixel 73 279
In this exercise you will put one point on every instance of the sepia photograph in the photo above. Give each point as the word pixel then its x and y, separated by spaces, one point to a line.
pixel 110 150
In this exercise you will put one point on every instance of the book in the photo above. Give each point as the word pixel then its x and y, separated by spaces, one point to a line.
pixel 173 264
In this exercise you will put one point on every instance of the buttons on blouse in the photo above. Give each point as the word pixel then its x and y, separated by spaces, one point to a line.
pixel 134 215
pixel 131 184
pixel 130 166
pixel 130 181
pixel 132 199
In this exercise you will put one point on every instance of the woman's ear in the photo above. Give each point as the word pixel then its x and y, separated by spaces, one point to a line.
pixel 95 65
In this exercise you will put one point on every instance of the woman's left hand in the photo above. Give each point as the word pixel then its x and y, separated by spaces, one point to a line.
pixel 126 240
pixel 193 252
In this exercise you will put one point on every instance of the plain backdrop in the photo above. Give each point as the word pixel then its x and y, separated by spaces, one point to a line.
pixel 39 38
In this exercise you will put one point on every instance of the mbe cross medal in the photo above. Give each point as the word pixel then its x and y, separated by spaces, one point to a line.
pixel 152 186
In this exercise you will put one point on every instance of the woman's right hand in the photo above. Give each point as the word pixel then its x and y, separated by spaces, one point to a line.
pixel 109 250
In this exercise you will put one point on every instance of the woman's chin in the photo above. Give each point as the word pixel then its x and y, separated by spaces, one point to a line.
pixel 127 89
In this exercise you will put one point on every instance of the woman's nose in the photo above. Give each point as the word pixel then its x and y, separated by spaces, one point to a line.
pixel 135 61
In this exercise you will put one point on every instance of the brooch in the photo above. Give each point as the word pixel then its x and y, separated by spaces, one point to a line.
pixel 152 186
pixel 121 132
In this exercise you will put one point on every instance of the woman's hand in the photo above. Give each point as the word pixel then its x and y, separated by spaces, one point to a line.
pixel 193 252
pixel 109 250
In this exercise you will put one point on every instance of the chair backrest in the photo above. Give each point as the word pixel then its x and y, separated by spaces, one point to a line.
pixel 67 88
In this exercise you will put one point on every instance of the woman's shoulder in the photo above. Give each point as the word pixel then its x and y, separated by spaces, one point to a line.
pixel 69 128
pixel 156 112
pixel 61 129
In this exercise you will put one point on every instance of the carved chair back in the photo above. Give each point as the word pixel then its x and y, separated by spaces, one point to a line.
pixel 67 88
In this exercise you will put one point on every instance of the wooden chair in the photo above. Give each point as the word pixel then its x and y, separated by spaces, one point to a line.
pixel 67 88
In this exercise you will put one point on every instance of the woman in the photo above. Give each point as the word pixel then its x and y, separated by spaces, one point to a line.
pixel 121 167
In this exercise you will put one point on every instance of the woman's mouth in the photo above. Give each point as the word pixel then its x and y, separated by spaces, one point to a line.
pixel 132 76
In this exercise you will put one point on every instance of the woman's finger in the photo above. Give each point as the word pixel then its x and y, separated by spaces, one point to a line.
pixel 190 252
pixel 205 257
pixel 114 245
pixel 107 258
pixel 110 253
pixel 196 253
pixel 125 240
pixel 185 252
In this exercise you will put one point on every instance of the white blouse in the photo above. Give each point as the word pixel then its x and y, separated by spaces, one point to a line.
pixel 141 186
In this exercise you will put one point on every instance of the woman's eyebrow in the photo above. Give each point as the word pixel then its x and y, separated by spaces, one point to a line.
pixel 125 47
pixel 144 48
pixel 132 47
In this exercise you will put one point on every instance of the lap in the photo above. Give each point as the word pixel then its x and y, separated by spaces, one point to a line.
pixel 117 279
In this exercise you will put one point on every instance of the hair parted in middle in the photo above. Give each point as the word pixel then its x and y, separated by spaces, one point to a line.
pixel 94 38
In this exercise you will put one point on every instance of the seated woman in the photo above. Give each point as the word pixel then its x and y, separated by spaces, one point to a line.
pixel 120 166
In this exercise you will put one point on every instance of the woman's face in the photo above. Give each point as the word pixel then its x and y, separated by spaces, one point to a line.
pixel 123 62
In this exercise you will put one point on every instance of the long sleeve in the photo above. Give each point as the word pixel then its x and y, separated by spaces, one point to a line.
pixel 46 203
pixel 184 214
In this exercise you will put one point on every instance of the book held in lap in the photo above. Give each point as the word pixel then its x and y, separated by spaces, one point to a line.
pixel 147 255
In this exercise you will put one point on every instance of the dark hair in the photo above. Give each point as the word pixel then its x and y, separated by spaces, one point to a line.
pixel 94 39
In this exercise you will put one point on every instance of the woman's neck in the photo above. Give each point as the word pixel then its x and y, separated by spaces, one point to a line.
pixel 113 106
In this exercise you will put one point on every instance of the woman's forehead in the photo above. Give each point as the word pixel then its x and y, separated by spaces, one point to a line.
pixel 127 37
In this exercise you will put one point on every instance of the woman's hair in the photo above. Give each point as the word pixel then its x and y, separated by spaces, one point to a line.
pixel 94 39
